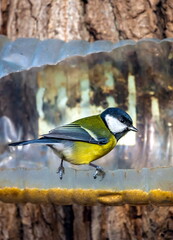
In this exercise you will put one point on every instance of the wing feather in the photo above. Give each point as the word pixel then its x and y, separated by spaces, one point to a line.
pixel 75 132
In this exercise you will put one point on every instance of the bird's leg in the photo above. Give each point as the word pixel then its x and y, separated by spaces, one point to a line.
pixel 99 171
pixel 61 170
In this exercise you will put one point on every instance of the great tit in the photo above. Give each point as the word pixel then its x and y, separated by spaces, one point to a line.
pixel 86 139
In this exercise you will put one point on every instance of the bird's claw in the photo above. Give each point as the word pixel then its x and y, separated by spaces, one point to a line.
pixel 99 172
pixel 61 171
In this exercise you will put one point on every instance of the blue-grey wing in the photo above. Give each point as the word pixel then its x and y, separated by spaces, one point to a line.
pixel 75 132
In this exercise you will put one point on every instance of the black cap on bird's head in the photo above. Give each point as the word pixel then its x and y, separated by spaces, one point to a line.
pixel 118 121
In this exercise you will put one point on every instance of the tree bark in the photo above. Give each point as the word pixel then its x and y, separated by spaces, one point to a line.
pixel 92 20
pixel 88 20
pixel 38 221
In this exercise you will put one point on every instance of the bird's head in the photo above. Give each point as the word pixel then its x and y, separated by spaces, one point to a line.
pixel 118 121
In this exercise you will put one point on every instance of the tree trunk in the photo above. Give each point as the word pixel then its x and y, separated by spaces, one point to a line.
pixel 91 20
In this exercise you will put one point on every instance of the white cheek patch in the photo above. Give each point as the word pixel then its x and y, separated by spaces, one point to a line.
pixel 114 124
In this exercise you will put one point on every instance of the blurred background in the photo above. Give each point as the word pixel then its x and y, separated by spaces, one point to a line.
pixel 135 78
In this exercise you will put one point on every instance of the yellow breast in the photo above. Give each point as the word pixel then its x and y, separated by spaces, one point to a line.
pixel 84 153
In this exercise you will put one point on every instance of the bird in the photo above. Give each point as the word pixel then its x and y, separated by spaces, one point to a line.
pixel 87 139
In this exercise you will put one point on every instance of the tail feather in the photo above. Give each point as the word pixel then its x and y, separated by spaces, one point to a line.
pixel 40 140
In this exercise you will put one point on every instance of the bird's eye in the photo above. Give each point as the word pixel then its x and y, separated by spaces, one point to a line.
pixel 122 120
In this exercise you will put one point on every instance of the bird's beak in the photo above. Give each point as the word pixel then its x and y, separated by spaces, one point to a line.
pixel 131 128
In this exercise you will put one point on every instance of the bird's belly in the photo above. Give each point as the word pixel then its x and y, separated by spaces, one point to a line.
pixel 84 153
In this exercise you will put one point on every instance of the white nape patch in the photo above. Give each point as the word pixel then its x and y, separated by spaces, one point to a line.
pixel 114 124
